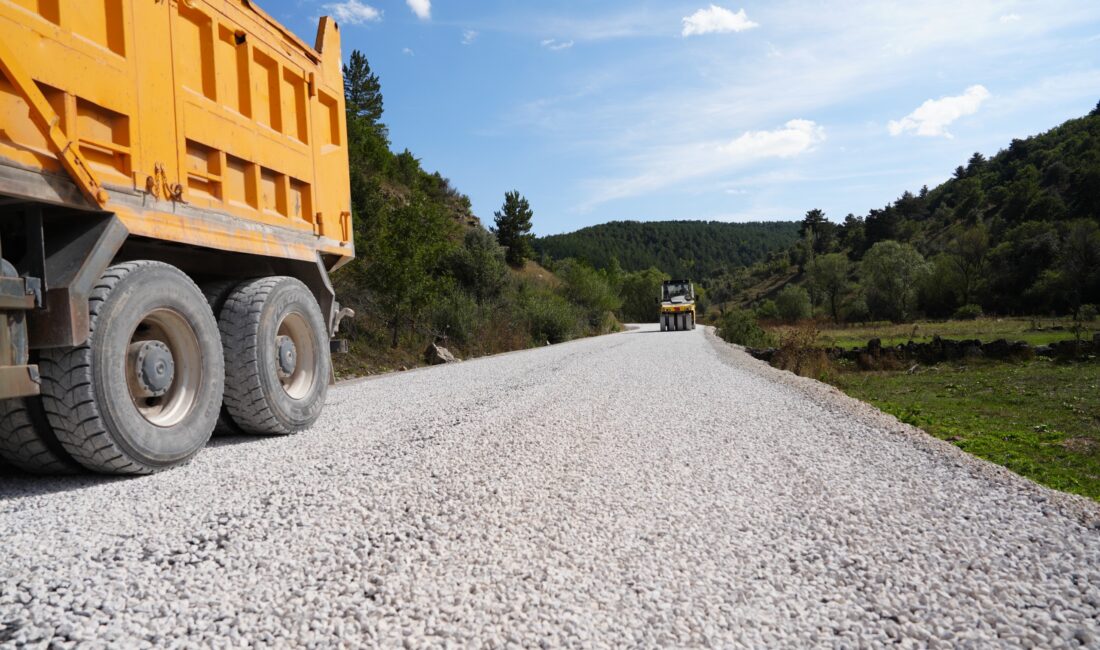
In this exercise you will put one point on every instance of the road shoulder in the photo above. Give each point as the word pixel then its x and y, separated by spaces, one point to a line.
pixel 1081 509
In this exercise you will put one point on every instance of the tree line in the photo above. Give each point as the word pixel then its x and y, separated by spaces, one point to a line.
pixel 426 269
pixel 685 249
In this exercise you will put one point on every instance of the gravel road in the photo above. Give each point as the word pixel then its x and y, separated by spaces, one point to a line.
pixel 640 489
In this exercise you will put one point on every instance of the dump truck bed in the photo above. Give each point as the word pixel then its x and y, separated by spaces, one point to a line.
pixel 198 122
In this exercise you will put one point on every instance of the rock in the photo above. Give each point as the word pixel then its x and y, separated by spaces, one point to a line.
pixel 1044 351
pixel 999 349
pixel 764 354
pixel 874 347
pixel 435 355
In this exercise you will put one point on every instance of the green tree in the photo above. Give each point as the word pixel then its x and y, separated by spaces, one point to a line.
pixel 818 230
pixel 479 265
pixel 513 228
pixel 639 292
pixel 406 247
pixel 793 304
pixel 829 276
pixel 891 274
pixel 968 252
pixel 590 289
pixel 1079 263
pixel 363 93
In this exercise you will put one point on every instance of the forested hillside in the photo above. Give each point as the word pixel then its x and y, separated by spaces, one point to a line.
pixel 1018 233
pixel 685 249
pixel 426 270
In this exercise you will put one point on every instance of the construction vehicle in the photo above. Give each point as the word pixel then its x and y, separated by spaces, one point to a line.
pixel 677 303
pixel 174 193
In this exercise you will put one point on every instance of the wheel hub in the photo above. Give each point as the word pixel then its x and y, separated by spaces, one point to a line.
pixel 287 355
pixel 153 367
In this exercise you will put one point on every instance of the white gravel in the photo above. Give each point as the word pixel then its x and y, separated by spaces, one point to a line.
pixel 640 489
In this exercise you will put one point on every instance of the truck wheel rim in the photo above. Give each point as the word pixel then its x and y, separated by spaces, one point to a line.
pixel 298 383
pixel 171 329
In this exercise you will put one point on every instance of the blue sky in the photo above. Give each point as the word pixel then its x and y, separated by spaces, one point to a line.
pixel 620 109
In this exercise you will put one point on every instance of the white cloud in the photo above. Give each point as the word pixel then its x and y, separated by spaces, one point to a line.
pixel 422 8
pixel 796 136
pixel 1010 18
pixel 408 52
pixel 716 20
pixel 556 45
pixel 933 117
pixel 353 12
pixel 469 36
pixel 679 163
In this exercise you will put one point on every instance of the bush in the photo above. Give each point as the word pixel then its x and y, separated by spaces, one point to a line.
pixel 1088 313
pixel 793 304
pixel 479 264
pixel 968 312
pixel 800 353
pixel 767 311
pixel 455 316
pixel 550 317
pixel 740 327
pixel 590 289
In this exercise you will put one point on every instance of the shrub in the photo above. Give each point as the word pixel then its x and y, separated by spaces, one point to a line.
pixel 1088 313
pixel 740 327
pixel 793 304
pixel 767 311
pixel 800 353
pixel 550 317
pixel 590 289
pixel 454 316
pixel 968 312
pixel 479 264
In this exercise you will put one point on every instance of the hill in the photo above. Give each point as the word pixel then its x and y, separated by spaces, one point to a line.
pixel 690 249
pixel 1017 233
pixel 426 269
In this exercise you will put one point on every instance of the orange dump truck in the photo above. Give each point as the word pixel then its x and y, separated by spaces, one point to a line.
pixel 174 193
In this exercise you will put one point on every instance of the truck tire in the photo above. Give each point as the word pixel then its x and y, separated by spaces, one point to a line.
pixel 277 356
pixel 142 394
pixel 27 441
pixel 217 293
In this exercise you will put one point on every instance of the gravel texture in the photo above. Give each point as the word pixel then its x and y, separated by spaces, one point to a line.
pixel 641 489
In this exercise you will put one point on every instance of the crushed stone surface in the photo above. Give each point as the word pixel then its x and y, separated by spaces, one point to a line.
pixel 639 489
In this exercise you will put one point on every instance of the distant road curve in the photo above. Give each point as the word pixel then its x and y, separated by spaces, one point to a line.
pixel 643 488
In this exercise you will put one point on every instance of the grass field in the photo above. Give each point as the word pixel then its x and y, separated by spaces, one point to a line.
pixel 1040 419
pixel 986 329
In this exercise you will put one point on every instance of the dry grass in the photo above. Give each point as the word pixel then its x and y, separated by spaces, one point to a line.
pixel 800 352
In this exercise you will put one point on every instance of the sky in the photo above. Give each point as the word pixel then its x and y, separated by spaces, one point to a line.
pixel 744 111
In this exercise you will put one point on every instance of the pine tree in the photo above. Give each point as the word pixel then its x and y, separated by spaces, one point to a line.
pixel 363 93
pixel 513 228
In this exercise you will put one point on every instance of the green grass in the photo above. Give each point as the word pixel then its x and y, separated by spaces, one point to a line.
pixel 1040 419
pixel 986 329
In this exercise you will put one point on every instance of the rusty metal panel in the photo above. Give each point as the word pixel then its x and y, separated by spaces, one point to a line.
pixel 19 381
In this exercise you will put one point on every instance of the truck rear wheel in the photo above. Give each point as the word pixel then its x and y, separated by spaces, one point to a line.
pixel 142 394
pixel 277 356
pixel 217 293
pixel 27 440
